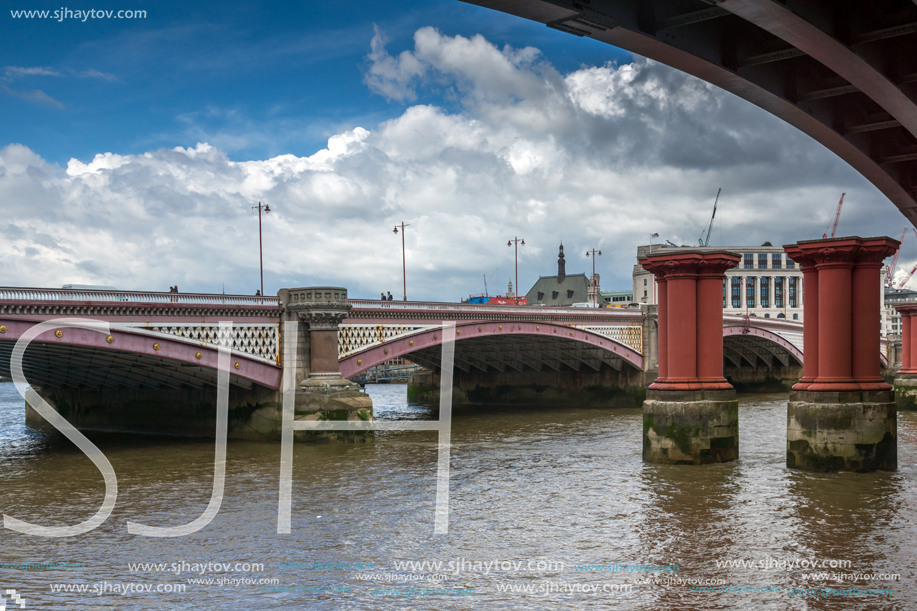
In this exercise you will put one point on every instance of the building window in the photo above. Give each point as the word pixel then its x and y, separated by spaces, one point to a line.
pixel 790 264
pixel 776 261
pixel 795 316
pixel 749 261
pixel 762 261
pixel 644 282
pixel 794 283
pixel 736 293
pixel 569 294
pixel 750 292
pixel 765 292
pixel 778 292
pixel 766 315
pixel 554 294
pixel 540 296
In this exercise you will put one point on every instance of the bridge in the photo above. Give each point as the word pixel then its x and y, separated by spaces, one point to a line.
pixel 844 73
pixel 171 341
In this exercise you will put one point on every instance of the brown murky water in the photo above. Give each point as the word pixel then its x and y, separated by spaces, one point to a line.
pixel 549 509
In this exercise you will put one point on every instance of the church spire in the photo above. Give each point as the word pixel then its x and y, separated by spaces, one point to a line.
pixel 561 266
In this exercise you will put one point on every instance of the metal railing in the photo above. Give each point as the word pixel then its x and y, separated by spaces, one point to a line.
pixel 132 297
pixel 370 304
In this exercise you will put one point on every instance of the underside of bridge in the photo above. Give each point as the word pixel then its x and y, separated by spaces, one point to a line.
pixel 58 365
pixel 530 370
pixel 522 353
pixel 842 71
pixel 757 363
pixel 103 389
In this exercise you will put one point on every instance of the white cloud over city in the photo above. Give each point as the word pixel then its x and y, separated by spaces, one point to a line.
pixel 601 156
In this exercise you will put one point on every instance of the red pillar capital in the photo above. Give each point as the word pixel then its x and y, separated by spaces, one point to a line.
pixel 690 285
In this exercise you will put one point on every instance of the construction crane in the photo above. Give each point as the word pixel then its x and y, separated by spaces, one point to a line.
pixel 705 241
pixel 486 280
pixel 890 272
pixel 908 277
pixel 837 217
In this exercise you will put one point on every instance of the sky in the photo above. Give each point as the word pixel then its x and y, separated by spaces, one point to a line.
pixel 132 151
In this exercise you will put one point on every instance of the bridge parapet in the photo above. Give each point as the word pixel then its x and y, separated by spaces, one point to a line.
pixel 8 294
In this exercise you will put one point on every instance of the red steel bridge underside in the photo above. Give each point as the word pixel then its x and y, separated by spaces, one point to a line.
pixel 842 71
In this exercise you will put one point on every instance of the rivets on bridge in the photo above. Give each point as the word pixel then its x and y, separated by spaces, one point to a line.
pixel 479 329
pixel 501 327
pixel 411 343
pixel 110 339
pixel 537 328
pixel 156 347
pixel 434 336
pixel 2 328
pixel 458 331
pixel 59 333
pixel 571 333
pixel 385 351
pixel 198 355
pixel 359 361
pixel 555 330
pixel 238 365
pixel 520 327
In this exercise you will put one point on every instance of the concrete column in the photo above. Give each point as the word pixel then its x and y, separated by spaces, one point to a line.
pixel 845 419
pixel 321 310
pixel 691 414
pixel 867 306
pixel 663 313
pixel 808 284
pixel 710 322
pixel 682 327
pixel 835 321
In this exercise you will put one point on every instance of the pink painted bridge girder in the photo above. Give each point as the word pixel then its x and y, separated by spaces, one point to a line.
pixel 359 362
pixel 172 350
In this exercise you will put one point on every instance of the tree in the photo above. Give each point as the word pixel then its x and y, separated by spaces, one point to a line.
pixel 767 244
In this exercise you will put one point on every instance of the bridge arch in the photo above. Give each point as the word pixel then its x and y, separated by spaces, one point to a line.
pixel 759 343
pixel 543 344
pixel 128 359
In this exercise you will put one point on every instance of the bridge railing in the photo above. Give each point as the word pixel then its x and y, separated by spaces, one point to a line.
pixel 138 297
pixel 371 304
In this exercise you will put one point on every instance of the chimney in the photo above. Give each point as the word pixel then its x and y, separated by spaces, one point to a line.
pixel 561 271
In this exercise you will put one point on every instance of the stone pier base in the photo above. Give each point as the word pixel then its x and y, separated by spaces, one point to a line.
pixel 906 391
pixel 254 414
pixel 842 431
pixel 692 427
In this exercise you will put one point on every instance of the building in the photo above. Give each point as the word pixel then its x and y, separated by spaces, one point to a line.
pixel 766 283
pixel 559 290
pixel 618 298
pixel 891 319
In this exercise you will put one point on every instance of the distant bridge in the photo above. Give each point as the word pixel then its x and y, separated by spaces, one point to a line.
pixel 170 340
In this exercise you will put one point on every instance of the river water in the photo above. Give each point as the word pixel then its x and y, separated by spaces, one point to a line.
pixel 553 501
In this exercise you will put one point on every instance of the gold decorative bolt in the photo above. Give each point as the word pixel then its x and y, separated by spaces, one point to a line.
pixel 238 366
pixel 155 346
pixel 110 339
pixel 198 355
pixel 2 328
pixel 59 333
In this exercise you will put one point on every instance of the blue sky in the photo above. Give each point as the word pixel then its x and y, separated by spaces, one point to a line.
pixel 133 151
pixel 257 79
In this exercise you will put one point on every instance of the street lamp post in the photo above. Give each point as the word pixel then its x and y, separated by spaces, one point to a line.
pixel 594 253
pixel 516 241
pixel 266 209
pixel 404 267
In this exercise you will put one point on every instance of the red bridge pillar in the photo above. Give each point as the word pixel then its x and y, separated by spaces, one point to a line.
pixel 841 415
pixel 906 377
pixel 691 414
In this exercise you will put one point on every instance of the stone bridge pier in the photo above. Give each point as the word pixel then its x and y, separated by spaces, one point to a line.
pixel 841 414
pixel 906 377
pixel 691 415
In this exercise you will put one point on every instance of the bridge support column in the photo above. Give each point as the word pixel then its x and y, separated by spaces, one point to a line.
pixel 841 416
pixel 322 393
pixel 691 415
pixel 906 377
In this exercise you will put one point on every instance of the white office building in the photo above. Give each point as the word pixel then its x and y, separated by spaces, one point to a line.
pixel 766 283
